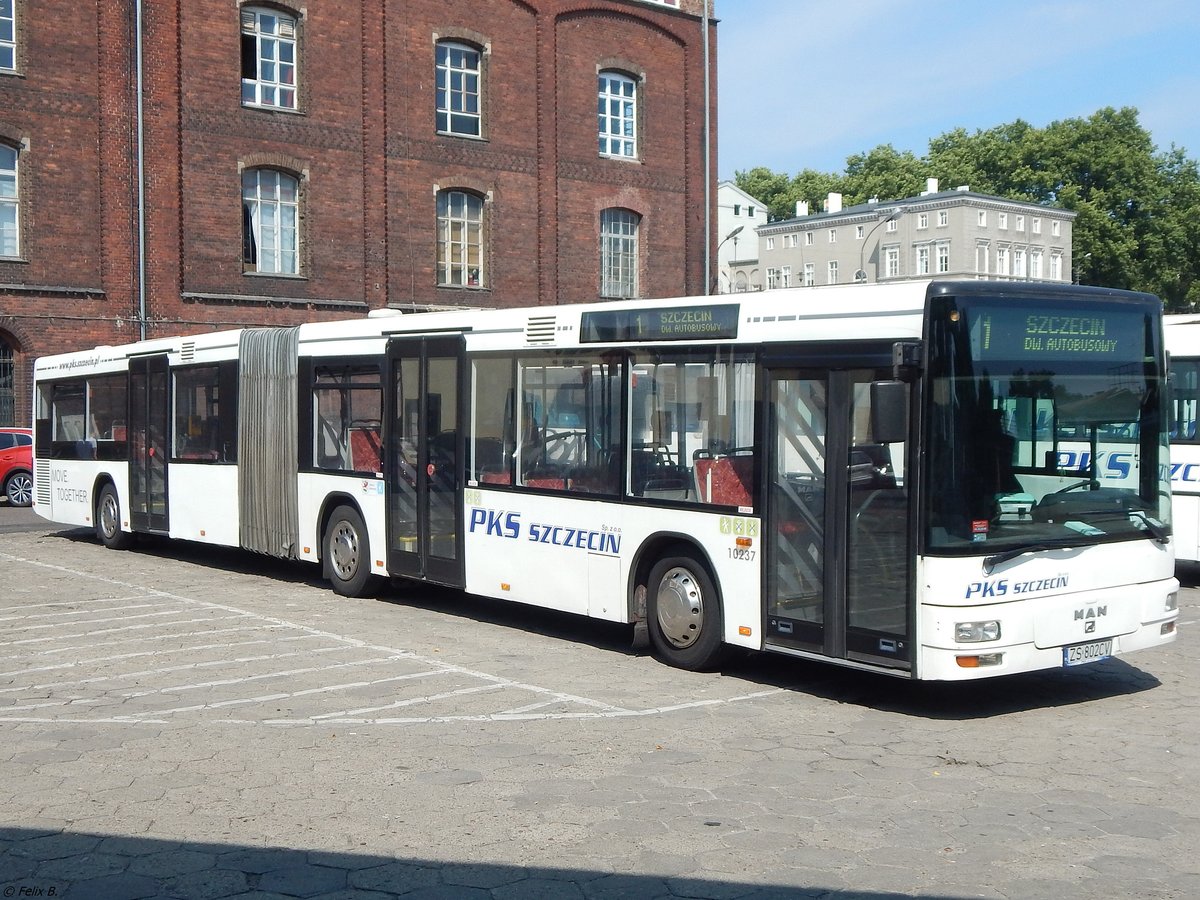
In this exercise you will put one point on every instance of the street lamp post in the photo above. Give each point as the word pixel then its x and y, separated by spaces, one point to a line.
pixel 861 275
pixel 732 234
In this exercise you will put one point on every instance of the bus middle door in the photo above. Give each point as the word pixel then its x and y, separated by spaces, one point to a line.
pixel 424 449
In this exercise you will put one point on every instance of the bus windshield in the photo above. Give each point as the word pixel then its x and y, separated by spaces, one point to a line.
pixel 1046 424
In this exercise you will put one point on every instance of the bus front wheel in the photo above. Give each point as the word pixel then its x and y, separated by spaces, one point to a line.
pixel 684 614
pixel 348 553
pixel 108 521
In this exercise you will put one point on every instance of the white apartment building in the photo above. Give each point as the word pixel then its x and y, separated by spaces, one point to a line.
pixel 738 215
pixel 938 234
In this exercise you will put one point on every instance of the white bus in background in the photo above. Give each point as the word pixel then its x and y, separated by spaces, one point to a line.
pixel 918 479
pixel 1183 345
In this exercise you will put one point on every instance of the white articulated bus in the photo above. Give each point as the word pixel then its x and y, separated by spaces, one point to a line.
pixel 1183 345
pixel 937 480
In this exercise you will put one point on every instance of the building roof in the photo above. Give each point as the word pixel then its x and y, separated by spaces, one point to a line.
pixel 937 198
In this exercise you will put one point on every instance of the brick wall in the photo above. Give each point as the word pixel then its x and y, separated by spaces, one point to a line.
pixel 365 146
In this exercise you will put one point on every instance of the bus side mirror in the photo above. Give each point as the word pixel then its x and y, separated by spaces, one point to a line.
pixel 889 412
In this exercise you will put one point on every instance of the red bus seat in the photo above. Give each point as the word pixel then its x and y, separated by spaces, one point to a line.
pixel 366 450
pixel 724 479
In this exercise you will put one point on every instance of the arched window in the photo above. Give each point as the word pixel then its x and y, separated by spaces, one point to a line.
pixel 619 253
pixel 268 58
pixel 617 115
pixel 459 89
pixel 460 239
pixel 10 200
pixel 270 222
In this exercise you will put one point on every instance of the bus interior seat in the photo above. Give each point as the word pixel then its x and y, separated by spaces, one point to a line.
pixel 366 449
pixel 544 477
pixel 726 479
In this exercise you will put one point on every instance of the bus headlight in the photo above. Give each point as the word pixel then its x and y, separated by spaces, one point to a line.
pixel 1172 601
pixel 974 632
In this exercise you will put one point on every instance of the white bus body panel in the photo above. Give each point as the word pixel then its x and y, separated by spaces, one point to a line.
pixel 71 495
pixel 558 553
pixel 1182 335
pixel 202 503
pixel 1044 601
pixel 314 488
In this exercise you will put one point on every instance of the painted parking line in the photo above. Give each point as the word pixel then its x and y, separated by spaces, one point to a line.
pixel 120 699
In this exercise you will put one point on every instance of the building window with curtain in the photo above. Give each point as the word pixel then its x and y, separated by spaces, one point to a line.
pixel 617 115
pixel 10 200
pixel 268 58
pixel 619 253
pixel 460 239
pixel 270 222
pixel 459 89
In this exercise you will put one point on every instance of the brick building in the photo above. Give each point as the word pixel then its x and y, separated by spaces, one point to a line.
pixel 291 162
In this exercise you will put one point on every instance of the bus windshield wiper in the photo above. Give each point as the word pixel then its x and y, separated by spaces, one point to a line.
pixel 1153 526
pixel 990 562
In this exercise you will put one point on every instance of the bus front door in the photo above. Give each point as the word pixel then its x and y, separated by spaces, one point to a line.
pixel 149 378
pixel 424 449
pixel 839 579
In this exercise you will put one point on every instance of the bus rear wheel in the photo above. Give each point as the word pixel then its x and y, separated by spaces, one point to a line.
pixel 684 614
pixel 348 553
pixel 108 521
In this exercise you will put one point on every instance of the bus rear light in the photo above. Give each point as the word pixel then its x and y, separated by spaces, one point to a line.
pixel 975 632
pixel 980 660
pixel 745 542
pixel 1167 628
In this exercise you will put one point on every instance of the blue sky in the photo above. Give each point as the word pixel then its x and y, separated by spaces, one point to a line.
pixel 806 83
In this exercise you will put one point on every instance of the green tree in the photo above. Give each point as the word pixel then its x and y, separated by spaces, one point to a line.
pixel 1138 210
pixel 883 173
pixel 769 188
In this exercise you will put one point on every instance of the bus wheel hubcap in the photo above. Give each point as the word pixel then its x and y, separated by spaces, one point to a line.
pixel 108 515
pixel 344 551
pixel 680 607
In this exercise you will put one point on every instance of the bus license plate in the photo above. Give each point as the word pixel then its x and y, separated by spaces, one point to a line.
pixel 1086 653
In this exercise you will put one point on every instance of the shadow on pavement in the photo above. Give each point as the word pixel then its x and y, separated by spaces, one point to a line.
pixel 51 863
pixel 936 700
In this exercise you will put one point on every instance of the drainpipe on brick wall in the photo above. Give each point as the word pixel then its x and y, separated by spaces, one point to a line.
pixel 141 176
pixel 707 156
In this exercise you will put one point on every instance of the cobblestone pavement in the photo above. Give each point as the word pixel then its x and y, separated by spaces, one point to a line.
pixel 182 722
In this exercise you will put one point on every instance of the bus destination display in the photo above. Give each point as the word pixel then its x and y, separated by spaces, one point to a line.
pixel 676 323
pixel 1017 334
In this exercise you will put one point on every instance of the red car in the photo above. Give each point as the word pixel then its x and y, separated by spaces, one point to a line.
pixel 16 465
